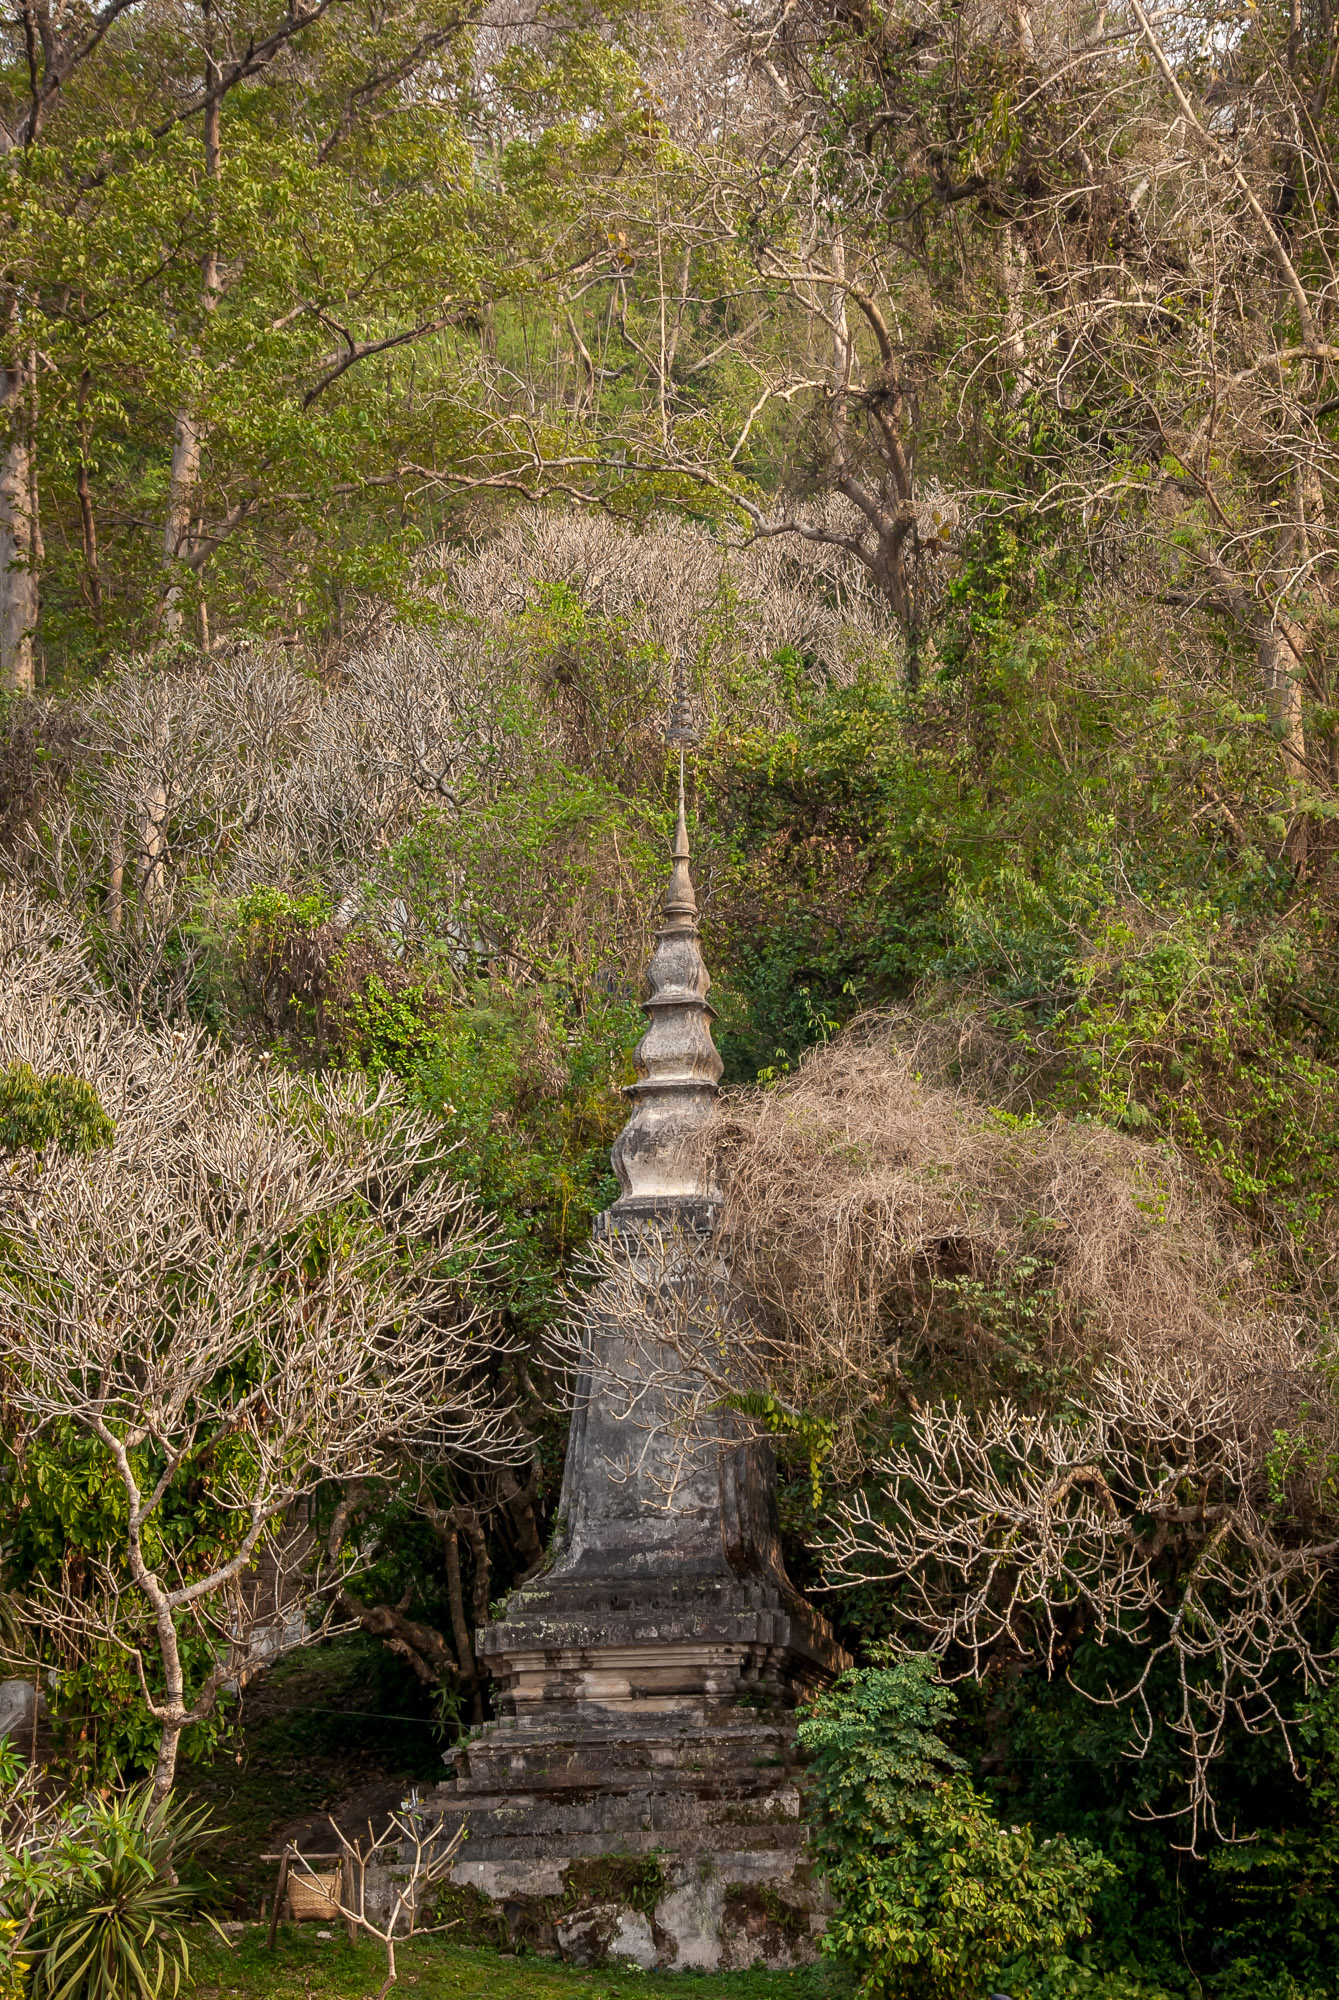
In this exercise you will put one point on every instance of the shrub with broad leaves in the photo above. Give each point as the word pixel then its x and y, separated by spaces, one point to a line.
pixel 934 1895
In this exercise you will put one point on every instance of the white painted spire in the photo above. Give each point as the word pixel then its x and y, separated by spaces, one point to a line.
pixel 657 1156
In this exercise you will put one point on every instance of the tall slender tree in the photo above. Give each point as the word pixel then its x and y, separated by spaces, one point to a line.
pixel 253 264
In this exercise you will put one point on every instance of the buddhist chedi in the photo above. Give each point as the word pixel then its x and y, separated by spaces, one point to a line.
pixel 636 1797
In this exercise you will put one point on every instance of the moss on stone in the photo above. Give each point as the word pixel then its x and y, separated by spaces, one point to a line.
pixel 637 1880
pixel 756 1907
pixel 473 1918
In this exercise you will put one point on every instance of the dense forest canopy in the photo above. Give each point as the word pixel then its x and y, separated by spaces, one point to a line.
pixel 398 401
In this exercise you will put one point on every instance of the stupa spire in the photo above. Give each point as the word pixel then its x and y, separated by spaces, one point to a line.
pixel 678 1070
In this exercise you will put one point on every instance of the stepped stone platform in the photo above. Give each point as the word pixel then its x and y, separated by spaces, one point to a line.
pixel 639 1795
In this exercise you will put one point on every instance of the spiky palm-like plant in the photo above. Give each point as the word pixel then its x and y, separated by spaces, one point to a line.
pixel 112 1930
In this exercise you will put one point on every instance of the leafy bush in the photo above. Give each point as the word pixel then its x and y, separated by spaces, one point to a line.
pixel 90 1901
pixel 934 1895
pixel 41 1111
pixel 1256 1918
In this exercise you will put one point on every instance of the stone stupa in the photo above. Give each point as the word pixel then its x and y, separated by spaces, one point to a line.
pixel 637 1795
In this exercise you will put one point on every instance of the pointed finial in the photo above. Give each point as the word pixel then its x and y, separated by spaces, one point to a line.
pixel 681 731
pixel 680 898
pixel 680 901
pixel 659 1166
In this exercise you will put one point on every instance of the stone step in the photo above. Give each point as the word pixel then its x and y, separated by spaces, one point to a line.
pixel 624 1782
pixel 699 1787
pixel 523 1850
pixel 597 1832
pixel 572 1711
pixel 754 1750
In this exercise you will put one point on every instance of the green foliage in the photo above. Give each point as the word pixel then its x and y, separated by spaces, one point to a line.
pixel 1049 846
pixel 934 1895
pixel 523 1077
pixel 1223 1038
pixel 113 1931
pixel 64 1502
pixel 93 1900
pixel 487 989
pixel 522 1082
pixel 355 197
pixel 1252 1914
pixel 60 1111
pixel 805 1435
pixel 266 918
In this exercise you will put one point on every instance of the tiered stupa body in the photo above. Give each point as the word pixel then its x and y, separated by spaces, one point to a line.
pixel 638 1794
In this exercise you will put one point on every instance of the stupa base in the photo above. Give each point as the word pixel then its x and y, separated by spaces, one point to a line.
pixel 620 1839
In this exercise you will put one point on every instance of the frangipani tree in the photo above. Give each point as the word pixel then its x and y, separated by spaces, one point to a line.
pixel 257 1287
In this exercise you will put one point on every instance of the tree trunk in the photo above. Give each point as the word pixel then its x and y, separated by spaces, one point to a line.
pixel 177 541
pixel 841 363
pixel 174 1678
pixel 87 519
pixel 116 880
pixel 1279 676
pixel 1014 274
pixel 188 437
pixel 20 536
pixel 520 1503
pixel 455 1597
pixel 153 827
pixel 1281 643
pixel 165 1770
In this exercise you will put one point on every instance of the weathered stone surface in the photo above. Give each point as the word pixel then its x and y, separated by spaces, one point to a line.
pixel 24 1718
pixel 637 1798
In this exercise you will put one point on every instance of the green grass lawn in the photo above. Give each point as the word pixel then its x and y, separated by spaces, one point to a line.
pixel 306 1967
